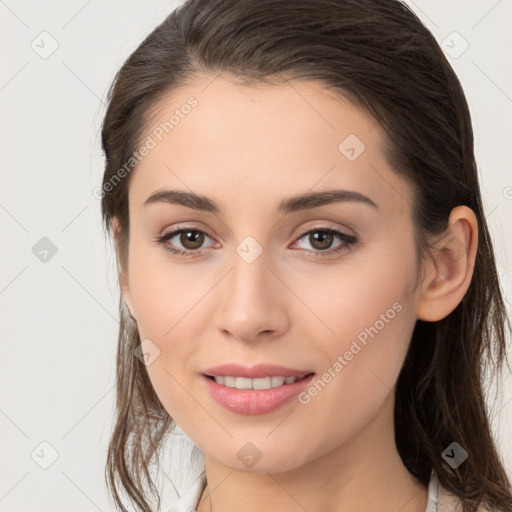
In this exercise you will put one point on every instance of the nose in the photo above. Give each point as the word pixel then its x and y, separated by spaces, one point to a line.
pixel 252 301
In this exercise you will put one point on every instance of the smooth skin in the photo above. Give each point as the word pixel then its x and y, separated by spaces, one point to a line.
pixel 249 148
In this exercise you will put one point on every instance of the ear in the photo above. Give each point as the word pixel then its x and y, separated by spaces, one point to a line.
pixel 448 277
pixel 124 283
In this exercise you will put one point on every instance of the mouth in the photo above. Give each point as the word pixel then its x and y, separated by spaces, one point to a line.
pixel 255 390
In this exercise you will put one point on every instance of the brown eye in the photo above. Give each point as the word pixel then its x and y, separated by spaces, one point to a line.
pixel 191 239
pixel 184 241
pixel 321 240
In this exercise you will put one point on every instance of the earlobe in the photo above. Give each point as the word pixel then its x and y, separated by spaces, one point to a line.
pixel 453 260
pixel 125 291
pixel 121 272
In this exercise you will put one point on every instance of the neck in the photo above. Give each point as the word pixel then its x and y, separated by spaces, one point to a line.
pixel 364 473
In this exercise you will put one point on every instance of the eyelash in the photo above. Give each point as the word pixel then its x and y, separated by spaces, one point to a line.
pixel 349 240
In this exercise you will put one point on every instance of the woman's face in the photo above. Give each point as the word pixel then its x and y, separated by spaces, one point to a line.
pixel 264 281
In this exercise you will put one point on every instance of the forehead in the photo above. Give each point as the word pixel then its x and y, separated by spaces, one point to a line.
pixel 259 143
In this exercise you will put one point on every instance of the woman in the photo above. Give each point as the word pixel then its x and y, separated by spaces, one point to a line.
pixel 308 287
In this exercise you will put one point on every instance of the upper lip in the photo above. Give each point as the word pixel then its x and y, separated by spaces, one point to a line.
pixel 253 372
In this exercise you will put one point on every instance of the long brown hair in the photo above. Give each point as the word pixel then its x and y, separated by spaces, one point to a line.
pixel 380 56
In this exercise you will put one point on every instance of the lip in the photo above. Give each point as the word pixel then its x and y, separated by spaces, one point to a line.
pixel 253 402
pixel 253 372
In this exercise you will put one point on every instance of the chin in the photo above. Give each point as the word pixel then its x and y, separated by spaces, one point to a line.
pixel 252 457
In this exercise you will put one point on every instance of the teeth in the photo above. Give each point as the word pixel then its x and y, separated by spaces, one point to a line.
pixel 259 383
pixel 277 381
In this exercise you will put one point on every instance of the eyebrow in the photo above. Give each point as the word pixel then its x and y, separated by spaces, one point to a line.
pixel 290 205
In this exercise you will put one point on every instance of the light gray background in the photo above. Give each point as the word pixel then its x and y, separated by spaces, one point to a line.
pixel 59 317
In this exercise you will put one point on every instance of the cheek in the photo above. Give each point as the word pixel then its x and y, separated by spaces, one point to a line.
pixel 168 300
pixel 163 293
pixel 367 317
pixel 368 296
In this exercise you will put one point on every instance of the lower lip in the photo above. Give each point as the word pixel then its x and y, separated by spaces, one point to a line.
pixel 253 401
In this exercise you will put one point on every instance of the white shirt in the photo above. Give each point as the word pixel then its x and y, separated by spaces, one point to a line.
pixel 181 479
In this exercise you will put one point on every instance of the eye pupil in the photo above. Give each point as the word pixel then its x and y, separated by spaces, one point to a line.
pixel 325 239
pixel 195 238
